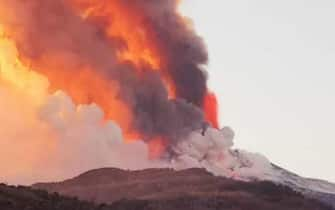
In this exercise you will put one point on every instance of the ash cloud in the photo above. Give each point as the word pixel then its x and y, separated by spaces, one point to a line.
pixel 54 40
pixel 183 50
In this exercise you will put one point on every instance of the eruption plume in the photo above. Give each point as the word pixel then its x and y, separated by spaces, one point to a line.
pixel 139 57
pixel 81 81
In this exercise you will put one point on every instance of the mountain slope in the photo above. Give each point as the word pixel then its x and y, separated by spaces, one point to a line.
pixel 313 188
pixel 25 198
pixel 166 189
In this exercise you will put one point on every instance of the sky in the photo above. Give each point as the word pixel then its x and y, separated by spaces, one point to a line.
pixel 272 67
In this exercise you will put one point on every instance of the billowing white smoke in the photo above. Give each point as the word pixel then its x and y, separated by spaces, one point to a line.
pixel 58 140
pixel 86 142
pixel 55 140
pixel 212 150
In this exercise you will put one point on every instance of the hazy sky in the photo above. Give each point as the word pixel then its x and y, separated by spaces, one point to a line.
pixel 272 65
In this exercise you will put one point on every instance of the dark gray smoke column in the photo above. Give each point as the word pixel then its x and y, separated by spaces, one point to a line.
pixel 183 51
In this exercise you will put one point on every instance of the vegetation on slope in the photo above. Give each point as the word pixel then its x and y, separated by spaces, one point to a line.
pixel 25 198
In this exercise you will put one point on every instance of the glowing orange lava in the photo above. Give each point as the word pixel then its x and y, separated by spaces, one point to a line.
pixel 210 109
pixel 156 148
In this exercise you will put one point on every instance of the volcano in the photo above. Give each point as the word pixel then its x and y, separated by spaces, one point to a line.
pixel 121 85
pixel 193 189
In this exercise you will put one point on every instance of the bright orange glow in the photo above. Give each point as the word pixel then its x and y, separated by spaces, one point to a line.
pixel 122 21
pixel 210 109
pixel 18 76
pixel 88 87
pixel 156 148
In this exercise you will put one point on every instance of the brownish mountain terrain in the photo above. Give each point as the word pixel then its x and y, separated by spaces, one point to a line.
pixel 166 189
pixel 26 198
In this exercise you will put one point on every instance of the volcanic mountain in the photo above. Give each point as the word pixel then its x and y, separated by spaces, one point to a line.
pixel 167 189
pixel 90 84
